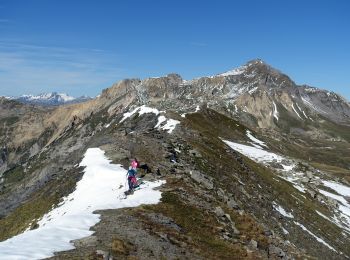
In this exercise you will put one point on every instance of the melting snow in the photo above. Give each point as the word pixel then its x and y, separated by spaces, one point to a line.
pixel 254 139
pixel 343 217
pixel 282 211
pixel 259 155
pixel 170 125
pixel 275 112
pixel 72 219
pixel 316 237
pixel 296 111
pixel 141 110
pixel 197 109
pixel 305 114
pixel 339 188
pixel 161 119
pixel 252 90
pixel 324 216
pixel 254 153
pixel 307 101
pixel 333 196
pixel 234 72
pixel 285 231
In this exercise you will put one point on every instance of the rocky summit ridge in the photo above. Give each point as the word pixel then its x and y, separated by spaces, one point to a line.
pixel 252 165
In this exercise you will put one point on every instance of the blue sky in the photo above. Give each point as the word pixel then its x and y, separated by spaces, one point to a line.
pixel 81 47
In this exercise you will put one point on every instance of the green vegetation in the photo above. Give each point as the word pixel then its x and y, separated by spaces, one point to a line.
pixel 335 130
pixel 214 124
pixel 40 202
pixel 334 170
pixel 200 229
pixel 221 165
pixel 14 175
pixel 8 120
pixel 287 122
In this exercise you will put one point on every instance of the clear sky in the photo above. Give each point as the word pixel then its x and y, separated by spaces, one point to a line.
pixel 81 47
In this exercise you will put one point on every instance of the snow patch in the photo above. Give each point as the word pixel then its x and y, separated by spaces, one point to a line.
pixel 196 110
pixel 296 111
pixel 234 72
pixel 275 112
pixel 161 119
pixel 252 90
pixel 141 110
pixel 254 139
pixel 339 188
pixel 254 153
pixel 305 115
pixel 316 237
pixel 307 101
pixel 169 125
pixel 72 219
pixel 282 211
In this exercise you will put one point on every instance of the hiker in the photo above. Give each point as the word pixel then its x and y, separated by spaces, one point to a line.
pixel 132 181
pixel 135 164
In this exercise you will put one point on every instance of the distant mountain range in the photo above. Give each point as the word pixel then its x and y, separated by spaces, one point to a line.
pixel 49 99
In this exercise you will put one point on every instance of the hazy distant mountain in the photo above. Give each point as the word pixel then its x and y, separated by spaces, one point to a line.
pixel 50 99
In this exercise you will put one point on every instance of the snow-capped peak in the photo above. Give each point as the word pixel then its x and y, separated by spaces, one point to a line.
pixel 237 71
pixel 50 99
pixel 62 97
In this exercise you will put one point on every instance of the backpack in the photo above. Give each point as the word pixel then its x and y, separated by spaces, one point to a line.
pixel 131 173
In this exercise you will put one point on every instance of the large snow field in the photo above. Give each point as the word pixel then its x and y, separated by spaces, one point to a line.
pixel 101 187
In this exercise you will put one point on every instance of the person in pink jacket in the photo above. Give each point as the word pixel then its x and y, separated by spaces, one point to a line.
pixel 135 164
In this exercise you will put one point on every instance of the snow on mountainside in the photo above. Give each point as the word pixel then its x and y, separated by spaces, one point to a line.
pixel 49 99
pixel 248 152
pixel 102 187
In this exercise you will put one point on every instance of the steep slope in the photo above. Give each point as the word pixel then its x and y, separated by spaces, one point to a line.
pixel 257 172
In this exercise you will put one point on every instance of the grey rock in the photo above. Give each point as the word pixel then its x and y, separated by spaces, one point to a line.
pixel 195 153
pixel 253 244
pixel 305 180
pixel 228 217
pixel 312 193
pixel 231 203
pixel 268 233
pixel 202 179
pixel 219 212
pixel 309 174
pixel 274 250
pixel 105 255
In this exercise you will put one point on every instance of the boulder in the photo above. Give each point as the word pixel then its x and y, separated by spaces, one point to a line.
pixel 219 212
pixel 231 203
pixel 276 251
pixel 202 179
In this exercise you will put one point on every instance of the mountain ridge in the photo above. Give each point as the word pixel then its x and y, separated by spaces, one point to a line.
pixel 49 99
pixel 254 176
